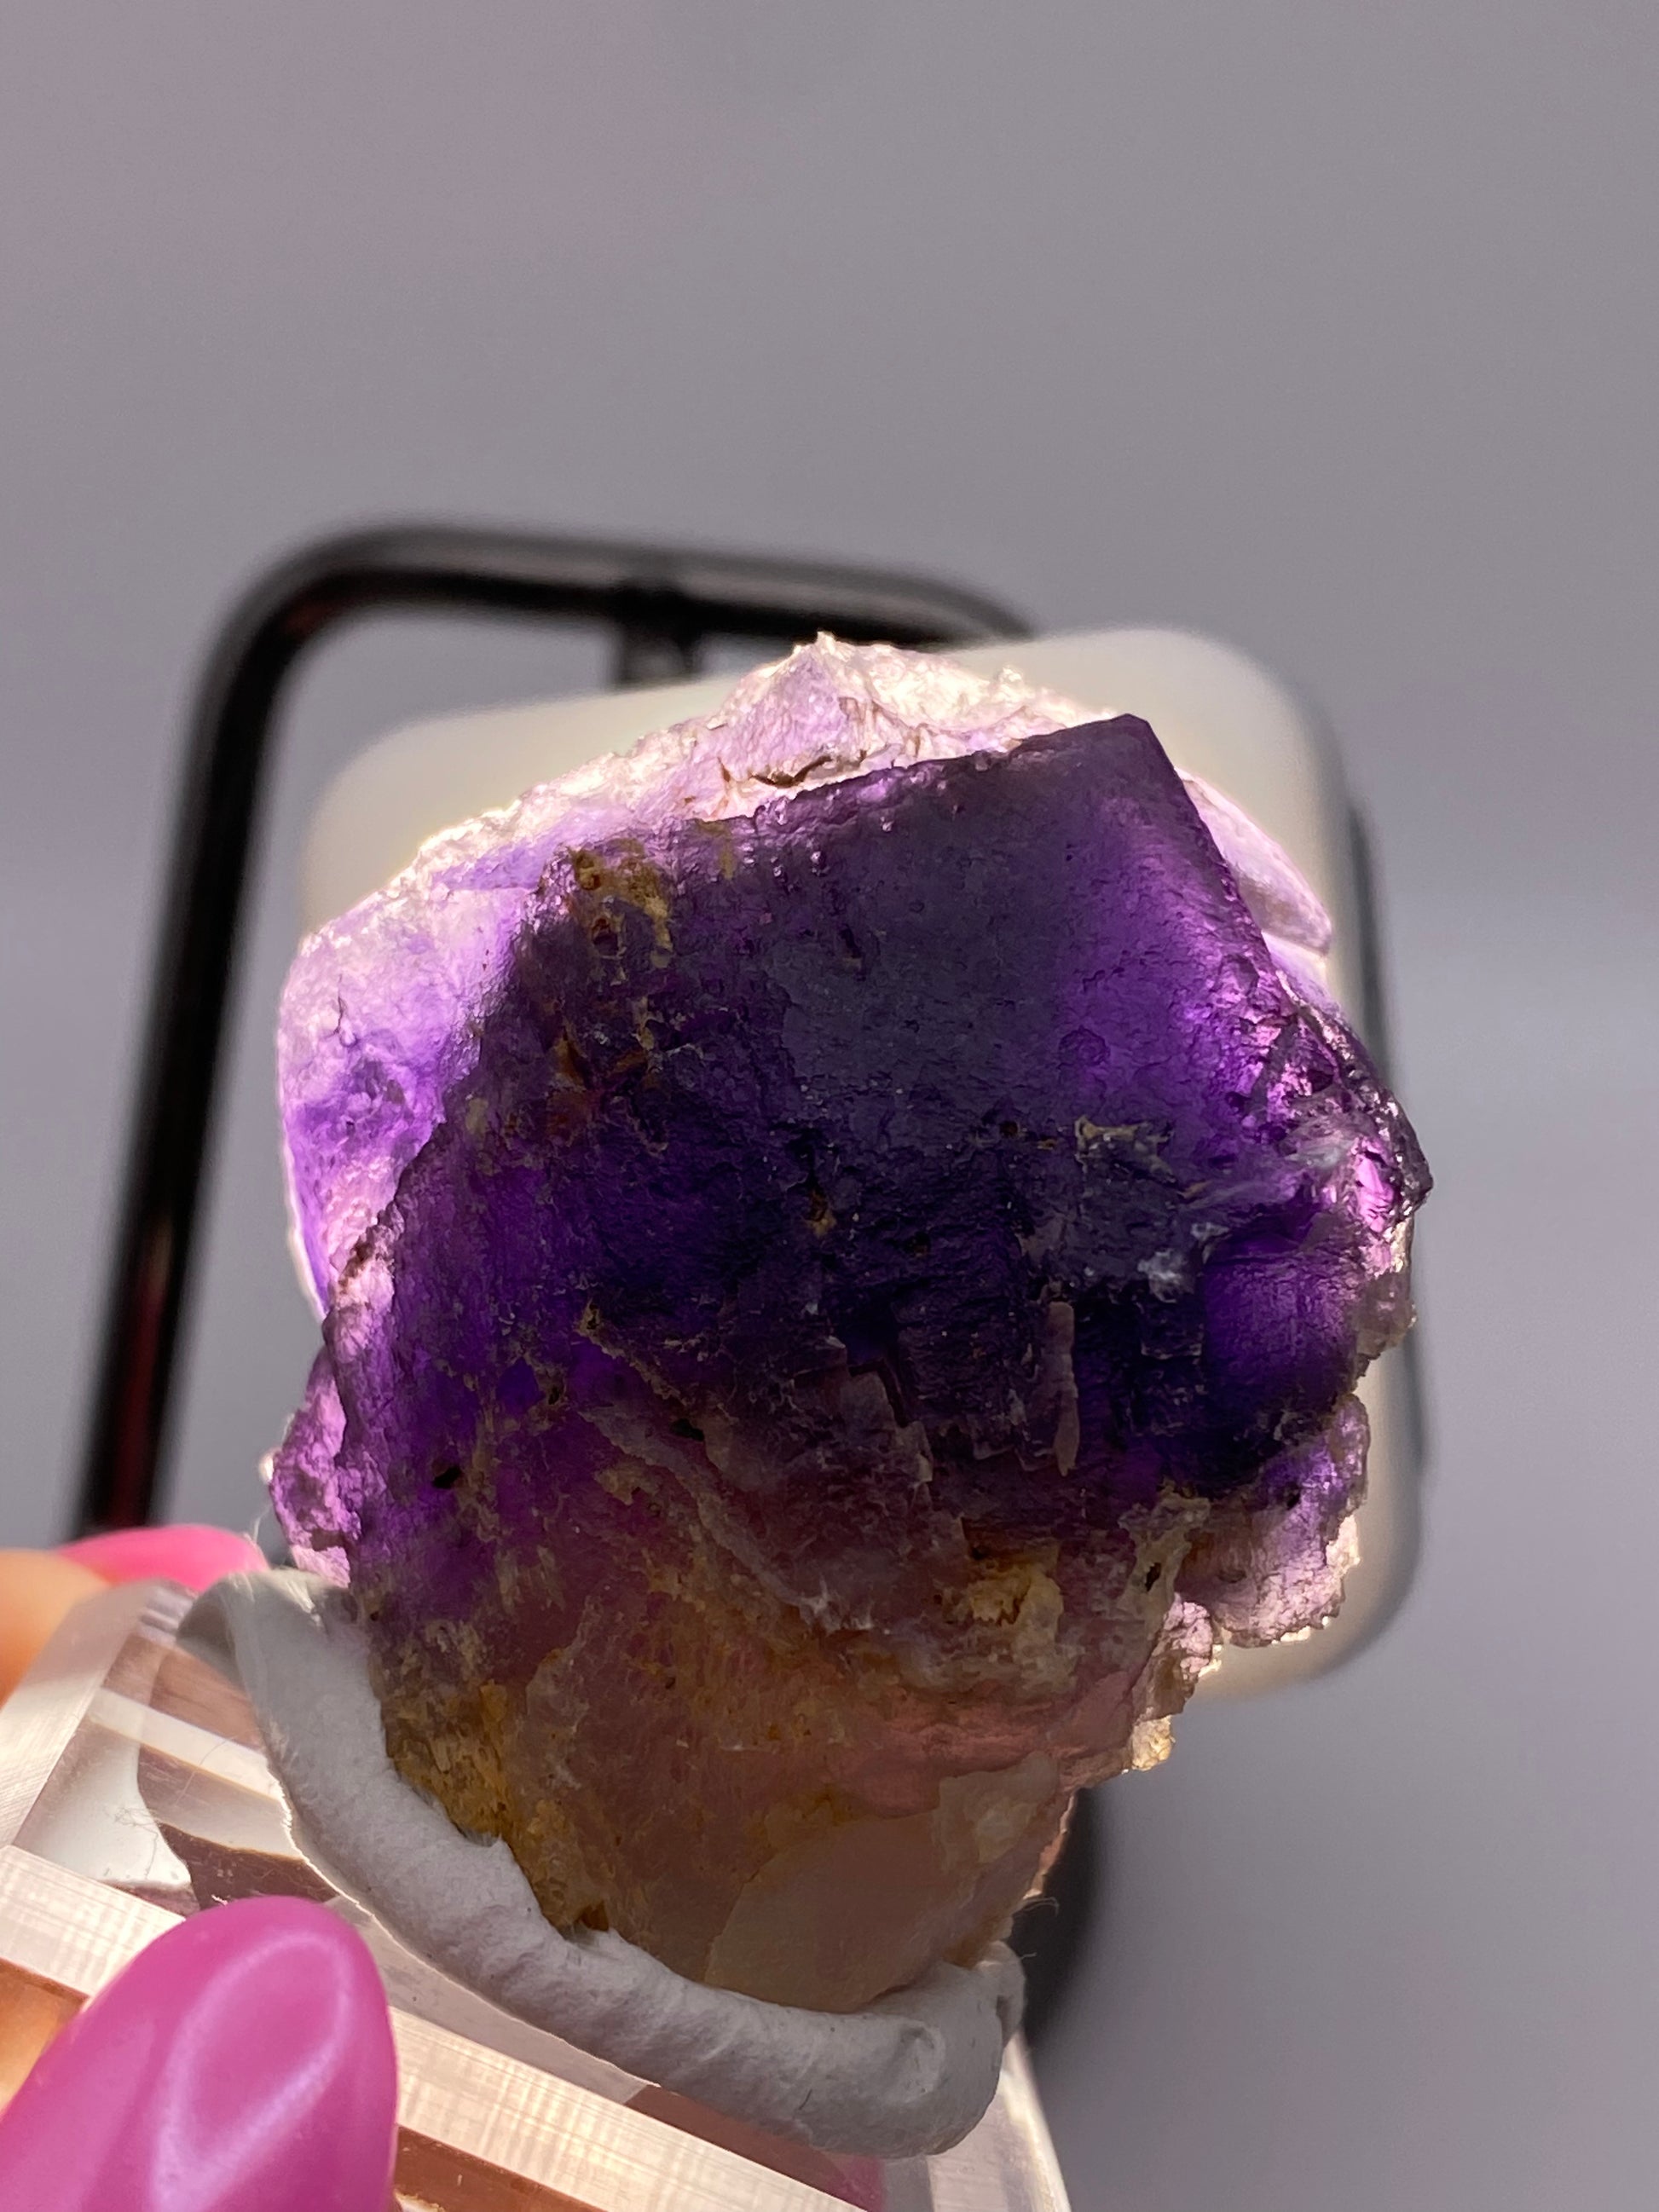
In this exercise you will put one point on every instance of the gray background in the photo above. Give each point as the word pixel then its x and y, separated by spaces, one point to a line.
pixel 1328 328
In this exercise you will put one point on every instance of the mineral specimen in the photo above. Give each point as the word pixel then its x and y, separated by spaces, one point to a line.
pixel 846 1237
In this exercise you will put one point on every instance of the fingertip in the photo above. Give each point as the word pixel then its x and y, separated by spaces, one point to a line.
pixel 192 1553
pixel 248 2049
pixel 37 1590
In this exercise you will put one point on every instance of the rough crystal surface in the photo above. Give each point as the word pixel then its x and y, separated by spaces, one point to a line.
pixel 845 1252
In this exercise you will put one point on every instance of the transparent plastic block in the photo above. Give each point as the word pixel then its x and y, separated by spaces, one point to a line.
pixel 134 1792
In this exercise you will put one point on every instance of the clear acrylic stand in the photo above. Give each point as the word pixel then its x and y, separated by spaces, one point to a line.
pixel 133 1791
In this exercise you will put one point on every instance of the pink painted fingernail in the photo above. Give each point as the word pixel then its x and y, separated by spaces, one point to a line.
pixel 243 2063
pixel 192 1555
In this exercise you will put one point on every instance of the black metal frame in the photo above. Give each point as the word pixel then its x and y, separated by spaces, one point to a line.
pixel 663 606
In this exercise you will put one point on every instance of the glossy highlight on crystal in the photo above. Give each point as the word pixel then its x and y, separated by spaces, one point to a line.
pixel 846 1239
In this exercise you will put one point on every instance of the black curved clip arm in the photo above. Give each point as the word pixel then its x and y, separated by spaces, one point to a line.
pixel 662 606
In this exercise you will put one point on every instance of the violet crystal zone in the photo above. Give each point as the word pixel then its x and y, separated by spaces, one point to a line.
pixel 845 1253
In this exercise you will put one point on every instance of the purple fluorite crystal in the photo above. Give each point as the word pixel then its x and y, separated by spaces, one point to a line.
pixel 844 1258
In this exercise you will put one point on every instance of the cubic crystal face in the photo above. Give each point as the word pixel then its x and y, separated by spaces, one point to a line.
pixel 840 1276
